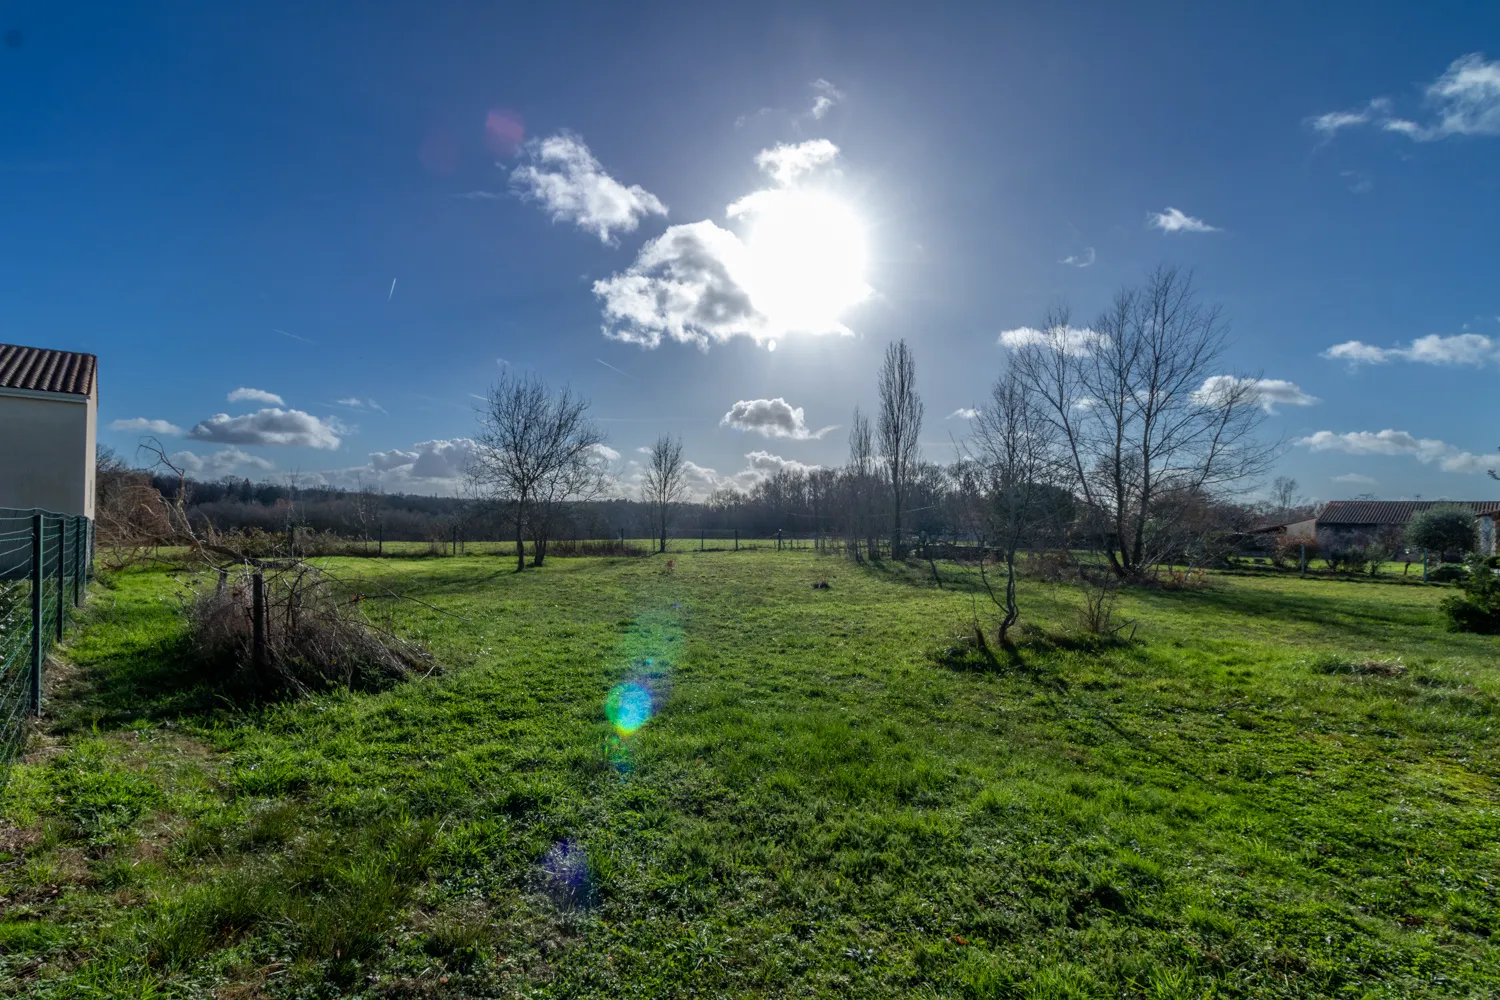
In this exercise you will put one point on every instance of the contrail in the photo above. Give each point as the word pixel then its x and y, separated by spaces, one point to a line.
pixel 613 368
pixel 392 291
pixel 293 336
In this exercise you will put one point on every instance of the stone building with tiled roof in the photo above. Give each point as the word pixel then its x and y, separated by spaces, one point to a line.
pixel 1354 522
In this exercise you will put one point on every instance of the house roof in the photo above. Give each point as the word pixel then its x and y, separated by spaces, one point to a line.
pixel 41 369
pixel 1392 511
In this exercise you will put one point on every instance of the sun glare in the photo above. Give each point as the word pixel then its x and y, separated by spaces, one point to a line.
pixel 807 258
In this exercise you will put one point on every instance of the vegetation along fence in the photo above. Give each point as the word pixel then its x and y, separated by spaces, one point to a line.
pixel 45 562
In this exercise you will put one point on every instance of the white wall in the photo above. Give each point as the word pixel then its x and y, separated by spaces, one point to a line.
pixel 47 452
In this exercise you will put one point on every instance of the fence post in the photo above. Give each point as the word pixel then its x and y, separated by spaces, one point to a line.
pixel 736 539
pixel 380 545
pixel 1424 565
pixel 1302 561
pixel 78 540
pixel 778 539
pixel 62 546
pixel 37 581
pixel 702 534
pixel 258 620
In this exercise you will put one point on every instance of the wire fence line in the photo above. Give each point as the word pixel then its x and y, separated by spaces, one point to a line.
pixel 46 560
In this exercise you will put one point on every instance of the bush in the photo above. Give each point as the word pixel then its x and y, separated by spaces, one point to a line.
pixel 1344 559
pixel 1477 609
pixel 1450 573
pixel 315 637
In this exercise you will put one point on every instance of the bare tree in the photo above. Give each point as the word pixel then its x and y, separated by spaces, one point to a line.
pixel 900 423
pixel 1284 495
pixel 1013 453
pixel 531 443
pixel 1149 424
pixel 859 478
pixel 665 481
pixel 560 492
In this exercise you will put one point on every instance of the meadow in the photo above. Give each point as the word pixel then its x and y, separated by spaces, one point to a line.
pixel 624 779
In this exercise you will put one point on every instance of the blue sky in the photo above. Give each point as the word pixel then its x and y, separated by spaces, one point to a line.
pixel 215 198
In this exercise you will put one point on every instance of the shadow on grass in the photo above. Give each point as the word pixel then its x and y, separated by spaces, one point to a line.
pixel 916 572
pixel 146 681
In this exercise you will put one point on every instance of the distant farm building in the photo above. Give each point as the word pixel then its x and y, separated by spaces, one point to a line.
pixel 1348 523
pixel 48 409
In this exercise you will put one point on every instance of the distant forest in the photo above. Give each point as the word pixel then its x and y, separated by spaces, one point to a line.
pixel 794 503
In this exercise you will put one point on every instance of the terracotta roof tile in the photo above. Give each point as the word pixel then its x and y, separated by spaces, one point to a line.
pixel 44 370
pixel 1391 511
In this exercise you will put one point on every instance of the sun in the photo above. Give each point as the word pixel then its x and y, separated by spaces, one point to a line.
pixel 807 257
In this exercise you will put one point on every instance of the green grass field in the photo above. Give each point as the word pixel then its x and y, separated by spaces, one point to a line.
pixel 811 793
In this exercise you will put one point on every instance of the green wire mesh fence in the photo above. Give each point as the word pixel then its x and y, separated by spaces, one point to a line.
pixel 46 560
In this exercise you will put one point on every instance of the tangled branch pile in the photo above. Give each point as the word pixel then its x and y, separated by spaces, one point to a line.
pixel 315 636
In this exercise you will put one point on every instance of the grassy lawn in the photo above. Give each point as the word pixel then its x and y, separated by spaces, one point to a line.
pixel 822 801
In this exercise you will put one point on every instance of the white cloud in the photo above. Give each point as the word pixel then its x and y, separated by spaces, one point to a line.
pixel 1333 122
pixel 1077 341
pixel 786 162
pixel 771 418
pixel 689 284
pixel 825 98
pixel 427 467
pixel 702 284
pixel 566 179
pixel 223 462
pixel 244 395
pixel 1465 99
pixel 1392 442
pixel 1176 221
pixel 964 413
pixel 355 403
pixel 607 453
pixel 162 427
pixel 1433 349
pixel 269 426
pixel 1083 258
pixel 1269 392
pixel 759 466
pixel 1355 479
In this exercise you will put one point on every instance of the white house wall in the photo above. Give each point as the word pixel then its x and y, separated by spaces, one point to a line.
pixel 47 452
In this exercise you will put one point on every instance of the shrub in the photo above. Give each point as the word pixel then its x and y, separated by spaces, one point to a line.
pixel 1343 559
pixel 1443 528
pixel 1477 609
pixel 315 637
pixel 1451 573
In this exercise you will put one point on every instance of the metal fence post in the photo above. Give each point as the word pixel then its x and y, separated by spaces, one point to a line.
pixel 78 539
pixel 62 546
pixel 38 580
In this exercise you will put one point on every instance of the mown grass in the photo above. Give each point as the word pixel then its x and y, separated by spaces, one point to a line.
pixel 1282 788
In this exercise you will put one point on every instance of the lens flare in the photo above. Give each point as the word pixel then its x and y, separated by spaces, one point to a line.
pixel 565 875
pixel 628 707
